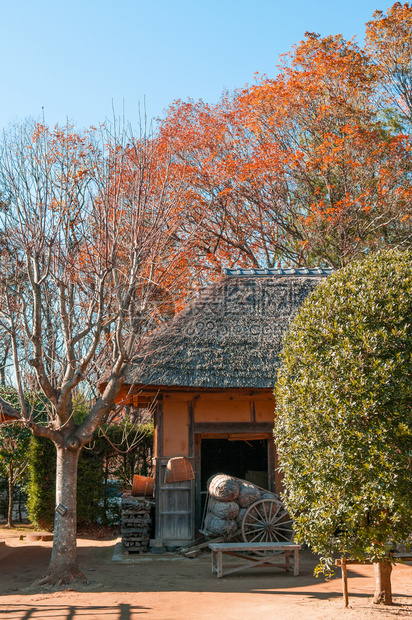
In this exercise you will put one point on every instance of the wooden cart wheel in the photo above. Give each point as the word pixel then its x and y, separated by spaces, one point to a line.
pixel 267 521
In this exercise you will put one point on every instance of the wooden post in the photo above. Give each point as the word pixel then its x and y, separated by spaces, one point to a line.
pixel 344 582
pixel 198 494
pixel 271 465
pixel 296 562
pixel 158 467
pixel 219 564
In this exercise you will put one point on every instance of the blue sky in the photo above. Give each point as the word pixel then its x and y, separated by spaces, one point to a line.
pixel 80 59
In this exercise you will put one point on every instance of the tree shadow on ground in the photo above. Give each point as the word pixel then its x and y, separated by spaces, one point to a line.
pixel 123 611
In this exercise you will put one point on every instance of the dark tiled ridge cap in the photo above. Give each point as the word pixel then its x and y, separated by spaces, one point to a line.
pixel 282 273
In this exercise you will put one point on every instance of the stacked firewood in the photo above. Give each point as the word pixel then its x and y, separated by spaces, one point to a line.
pixel 136 523
pixel 229 498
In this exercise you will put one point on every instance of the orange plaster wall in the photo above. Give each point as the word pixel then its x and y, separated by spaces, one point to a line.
pixel 222 411
pixel 175 428
pixel 265 411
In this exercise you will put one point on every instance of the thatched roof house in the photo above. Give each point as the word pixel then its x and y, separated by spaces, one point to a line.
pixel 7 412
pixel 229 337
pixel 210 374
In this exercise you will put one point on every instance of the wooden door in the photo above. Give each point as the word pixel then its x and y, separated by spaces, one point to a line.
pixel 174 509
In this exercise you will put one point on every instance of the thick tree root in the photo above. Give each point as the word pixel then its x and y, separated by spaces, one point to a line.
pixel 62 578
pixel 382 599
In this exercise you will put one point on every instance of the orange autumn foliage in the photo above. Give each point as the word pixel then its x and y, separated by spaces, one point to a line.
pixel 300 168
pixel 389 42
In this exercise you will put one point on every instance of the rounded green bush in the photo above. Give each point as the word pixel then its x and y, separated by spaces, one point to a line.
pixel 344 419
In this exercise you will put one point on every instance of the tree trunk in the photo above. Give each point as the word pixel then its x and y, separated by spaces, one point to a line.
pixel 20 505
pixel 3 365
pixel 63 566
pixel 383 589
pixel 106 492
pixel 11 496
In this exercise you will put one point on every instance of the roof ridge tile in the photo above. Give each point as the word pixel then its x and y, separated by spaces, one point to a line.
pixel 241 272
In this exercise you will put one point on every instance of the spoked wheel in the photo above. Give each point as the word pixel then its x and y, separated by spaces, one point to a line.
pixel 267 521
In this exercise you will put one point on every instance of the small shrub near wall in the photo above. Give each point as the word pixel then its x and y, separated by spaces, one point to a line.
pixel 90 488
pixel 42 483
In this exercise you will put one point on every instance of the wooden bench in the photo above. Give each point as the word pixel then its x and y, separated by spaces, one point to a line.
pixel 270 554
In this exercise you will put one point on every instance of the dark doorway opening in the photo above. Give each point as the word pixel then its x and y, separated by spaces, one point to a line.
pixel 243 459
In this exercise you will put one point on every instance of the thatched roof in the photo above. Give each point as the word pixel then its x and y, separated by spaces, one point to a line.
pixel 230 336
pixel 7 412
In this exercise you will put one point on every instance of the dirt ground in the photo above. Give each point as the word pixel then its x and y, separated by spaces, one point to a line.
pixel 168 587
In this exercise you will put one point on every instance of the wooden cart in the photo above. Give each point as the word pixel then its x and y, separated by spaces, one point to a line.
pixel 265 521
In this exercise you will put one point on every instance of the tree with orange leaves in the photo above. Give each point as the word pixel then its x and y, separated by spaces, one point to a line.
pixel 389 42
pixel 300 168
pixel 90 227
pixel 205 138
pixel 341 183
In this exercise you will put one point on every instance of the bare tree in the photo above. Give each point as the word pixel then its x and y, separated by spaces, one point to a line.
pixel 91 225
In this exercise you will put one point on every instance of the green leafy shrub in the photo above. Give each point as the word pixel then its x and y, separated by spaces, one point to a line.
pixel 344 411
pixel 42 482
pixel 90 488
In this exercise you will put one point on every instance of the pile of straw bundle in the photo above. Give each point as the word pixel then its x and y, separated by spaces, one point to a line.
pixel 229 499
